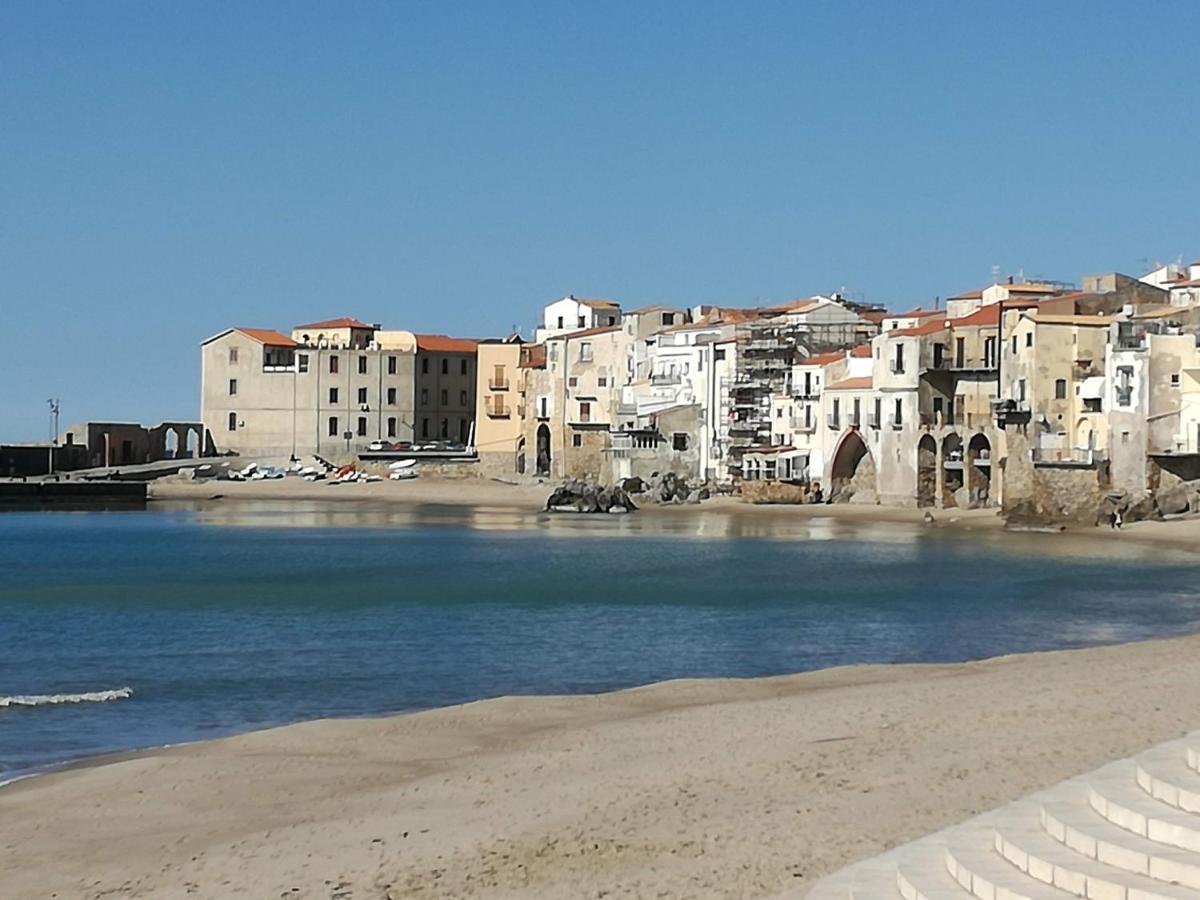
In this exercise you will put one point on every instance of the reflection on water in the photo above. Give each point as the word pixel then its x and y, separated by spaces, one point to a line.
pixel 724 522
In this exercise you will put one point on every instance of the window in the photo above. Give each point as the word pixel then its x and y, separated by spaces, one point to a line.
pixel 445 398
pixel 445 367
pixel 585 351
pixel 333 395
pixel 362 426
pixel 333 426
pixel 989 353
pixel 1021 390
pixel 391 426
pixel 424 365
pixel 585 411
pixel 898 419
pixel 577 440
pixel 462 398
pixel 582 322
pixel 939 353
pixel 879 410
pixel 560 321
pixel 302 361
pixel 362 395
pixel 1124 385
pixel 553 352
pixel 391 365
pixel 1175 379
pixel 445 429
pixel 233 421
pixel 668 318
pixel 233 356
pixel 391 396
pixel 1029 339
pixel 424 428
pixel 232 387
pixel 462 367
pixel 898 365
pixel 333 365
pixel 679 441
pixel 719 354
pixel 779 412
pixel 602 381
pixel 1092 405
pixel 1060 389
pixel 362 365
pixel 424 396
pixel 960 352
pixel 1014 343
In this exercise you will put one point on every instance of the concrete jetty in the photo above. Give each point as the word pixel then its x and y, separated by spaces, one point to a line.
pixel 50 494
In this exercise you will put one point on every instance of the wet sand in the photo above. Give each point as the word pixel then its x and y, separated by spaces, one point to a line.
pixel 720 788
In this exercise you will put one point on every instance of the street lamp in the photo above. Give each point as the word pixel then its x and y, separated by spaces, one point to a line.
pixel 55 404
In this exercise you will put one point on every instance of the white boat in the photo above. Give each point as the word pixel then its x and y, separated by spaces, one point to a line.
pixel 402 464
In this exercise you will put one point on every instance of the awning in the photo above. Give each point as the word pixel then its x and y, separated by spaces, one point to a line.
pixel 1093 388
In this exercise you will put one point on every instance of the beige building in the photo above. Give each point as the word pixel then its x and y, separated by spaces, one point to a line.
pixel 331 388
pixel 445 379
pixel 499 413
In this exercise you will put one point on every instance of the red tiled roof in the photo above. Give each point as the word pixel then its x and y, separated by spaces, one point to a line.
pixel 985 315
pixel 928 328
pixel 862 351
pixel 268 336
pixel 824 359
pixel 440 343
pixel 588 332
pixel 595 304
pixel 852 384
pixel 343 322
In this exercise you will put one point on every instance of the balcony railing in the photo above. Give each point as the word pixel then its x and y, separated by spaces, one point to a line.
pixel 873 420
pixel 804 427
pixel 498 384
pixel 665 378
pixel 833 421
pixel 499 411
pixel 896 423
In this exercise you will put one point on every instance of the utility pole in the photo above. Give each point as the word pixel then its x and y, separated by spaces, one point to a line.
pixel 55 405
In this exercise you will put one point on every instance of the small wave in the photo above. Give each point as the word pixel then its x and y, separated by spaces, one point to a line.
pixel 55 699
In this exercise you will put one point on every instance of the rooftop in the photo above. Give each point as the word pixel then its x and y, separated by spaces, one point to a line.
pixel 589 332
pixel 343 322
pixel 267 336
pixel 594 304
pixel 1047 319
pixel 932 327
pixel 864 383
pixel 917 313
pixel 440 343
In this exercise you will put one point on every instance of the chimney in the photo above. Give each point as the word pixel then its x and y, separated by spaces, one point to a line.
pixel 1010 279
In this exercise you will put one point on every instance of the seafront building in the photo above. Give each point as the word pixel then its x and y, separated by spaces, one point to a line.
pixel 1031 396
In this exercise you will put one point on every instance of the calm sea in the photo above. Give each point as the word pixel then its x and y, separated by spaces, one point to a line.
pixel 236 618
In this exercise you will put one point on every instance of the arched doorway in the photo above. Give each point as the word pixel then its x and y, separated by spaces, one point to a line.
pixel 979 470
pixel 952 472
pixel 171 444
pixel 520 456
pixel 852 473
pixel 543 449
pixel 193 443
pixel 926 471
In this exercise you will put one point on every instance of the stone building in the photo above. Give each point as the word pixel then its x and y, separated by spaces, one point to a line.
pixel 445 384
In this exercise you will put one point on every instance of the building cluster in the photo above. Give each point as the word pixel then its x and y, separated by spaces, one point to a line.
pixel 1016 393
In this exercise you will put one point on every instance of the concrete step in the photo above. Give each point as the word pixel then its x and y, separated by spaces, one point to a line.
pixel 1073 823
pixel 988 875
pixel 1033 851
pixel 1115 795
pixel 1164 774
pixel 925 877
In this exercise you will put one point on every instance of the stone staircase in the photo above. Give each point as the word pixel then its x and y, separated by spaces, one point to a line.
pixel 1127 831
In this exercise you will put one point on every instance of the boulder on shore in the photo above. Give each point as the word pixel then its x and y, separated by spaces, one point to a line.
pixel 579 496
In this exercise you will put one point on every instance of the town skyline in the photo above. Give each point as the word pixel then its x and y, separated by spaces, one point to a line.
pixel 170 171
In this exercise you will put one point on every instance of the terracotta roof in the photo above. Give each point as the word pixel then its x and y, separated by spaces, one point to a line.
pixel 343 322
pixel 985 315
pixel 874 317
pixel 928 328
pixel 864 383
pixel 967 295
pixel 1195 282
pixel 588 332
pixel 798 306
pixel 862 351
pixel 268 336
pixel 1160 313
pixel 824 359
pixel 440 343
pixel 916 314
pixel 594 304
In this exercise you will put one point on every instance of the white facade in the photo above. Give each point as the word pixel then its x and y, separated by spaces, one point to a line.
pixel 573 313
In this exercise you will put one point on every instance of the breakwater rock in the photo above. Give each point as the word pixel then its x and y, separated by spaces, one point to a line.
pixel 576 496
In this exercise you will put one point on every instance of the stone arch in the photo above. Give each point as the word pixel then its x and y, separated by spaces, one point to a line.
pixel 926 471
pixel 520 461
pixel 852 471
pixel 952 471
pixel 193 439
pixel 1085 434
pixel 543 449
pixel 979 470
pixel 171 444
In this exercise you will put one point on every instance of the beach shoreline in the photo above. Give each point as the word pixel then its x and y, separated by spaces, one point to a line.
pixel 475 493
pixel 700 787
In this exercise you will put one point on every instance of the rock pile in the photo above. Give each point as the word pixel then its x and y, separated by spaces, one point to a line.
pixel 1177 500
pixel 667 487
pixel 578 496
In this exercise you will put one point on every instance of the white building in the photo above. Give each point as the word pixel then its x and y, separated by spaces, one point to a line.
pixel 573 313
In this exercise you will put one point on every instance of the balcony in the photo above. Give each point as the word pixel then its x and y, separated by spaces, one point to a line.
pixel 896 367
pixel 664 378
pixel 499 411
pixel 833 422
pixel 853 420
pixel 803 427
pixel 498 384
pixel 895 423
pixel 873 420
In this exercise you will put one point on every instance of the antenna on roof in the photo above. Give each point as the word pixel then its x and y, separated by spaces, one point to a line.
pixel 995 274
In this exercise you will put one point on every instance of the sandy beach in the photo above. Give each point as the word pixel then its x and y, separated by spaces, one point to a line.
pixel 718 788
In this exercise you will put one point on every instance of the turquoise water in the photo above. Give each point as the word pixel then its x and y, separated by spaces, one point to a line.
pixel 225 620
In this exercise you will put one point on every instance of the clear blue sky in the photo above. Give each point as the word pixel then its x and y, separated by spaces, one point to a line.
pixel 169 169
